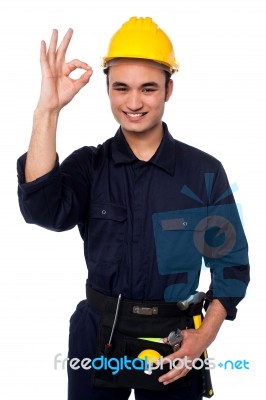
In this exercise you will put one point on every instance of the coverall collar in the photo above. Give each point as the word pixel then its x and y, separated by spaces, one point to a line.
pixel 164 157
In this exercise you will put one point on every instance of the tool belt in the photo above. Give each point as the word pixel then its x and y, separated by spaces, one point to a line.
pixel 136 319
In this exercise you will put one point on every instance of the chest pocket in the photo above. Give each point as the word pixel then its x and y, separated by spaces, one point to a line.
pixel 106 232
pixel 174 234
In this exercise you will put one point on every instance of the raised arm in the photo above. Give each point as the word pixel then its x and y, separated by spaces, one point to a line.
pixel 57 90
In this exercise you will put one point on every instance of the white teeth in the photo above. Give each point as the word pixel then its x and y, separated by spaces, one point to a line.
pixel 134 115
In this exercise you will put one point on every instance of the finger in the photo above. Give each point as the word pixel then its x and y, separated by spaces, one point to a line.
pixel 74 64
pixel 43 51
pixel 176 377
pixel 83 80
pixel 171 357
pixel 53 41
pixel 61 52
pixel 43 58
pixel 52 46
pixel 173 375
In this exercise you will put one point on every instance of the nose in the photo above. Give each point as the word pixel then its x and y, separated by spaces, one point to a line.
pixel 134 101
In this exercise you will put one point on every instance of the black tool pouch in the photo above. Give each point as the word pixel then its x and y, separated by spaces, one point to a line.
pixel 119 367
pixel 139 320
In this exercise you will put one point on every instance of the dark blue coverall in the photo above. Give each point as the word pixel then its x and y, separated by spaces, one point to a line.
pixel 145 227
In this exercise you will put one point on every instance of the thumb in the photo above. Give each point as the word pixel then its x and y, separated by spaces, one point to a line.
pixel 83 80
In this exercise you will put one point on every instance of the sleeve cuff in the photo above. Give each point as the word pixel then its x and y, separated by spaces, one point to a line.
pixel 229 304
pixel 29 187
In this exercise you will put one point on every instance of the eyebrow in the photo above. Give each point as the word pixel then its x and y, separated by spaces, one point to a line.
pixel 146 84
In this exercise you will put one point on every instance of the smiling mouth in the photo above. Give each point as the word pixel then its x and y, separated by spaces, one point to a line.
pixel 134 115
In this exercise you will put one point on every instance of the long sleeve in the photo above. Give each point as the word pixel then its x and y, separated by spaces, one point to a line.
pixel 225 247
pixel 58 200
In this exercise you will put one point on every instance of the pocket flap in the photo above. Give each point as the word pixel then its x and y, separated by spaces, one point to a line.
pixel 186 220
pixel 108 212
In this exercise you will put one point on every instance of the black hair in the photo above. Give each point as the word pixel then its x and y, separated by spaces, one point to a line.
pixel 167 78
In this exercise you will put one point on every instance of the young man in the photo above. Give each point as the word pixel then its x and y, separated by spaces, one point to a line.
pixel 148 209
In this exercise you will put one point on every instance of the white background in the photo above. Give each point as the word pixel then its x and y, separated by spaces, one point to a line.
pixel 218 106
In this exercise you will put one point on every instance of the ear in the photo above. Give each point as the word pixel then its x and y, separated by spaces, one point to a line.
pixel 169 89
pixel 107 85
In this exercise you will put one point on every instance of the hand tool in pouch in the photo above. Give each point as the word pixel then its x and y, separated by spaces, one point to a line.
pixel 196 298
pixel 109 343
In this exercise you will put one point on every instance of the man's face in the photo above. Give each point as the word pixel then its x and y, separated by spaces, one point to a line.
pixel 137 95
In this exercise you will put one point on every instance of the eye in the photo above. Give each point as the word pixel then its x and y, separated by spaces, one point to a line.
pixel 121 89
pixel 148 90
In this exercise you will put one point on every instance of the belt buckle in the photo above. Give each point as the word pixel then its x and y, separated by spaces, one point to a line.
pixel 145 310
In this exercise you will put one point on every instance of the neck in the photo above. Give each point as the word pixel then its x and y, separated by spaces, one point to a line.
pixel 144 145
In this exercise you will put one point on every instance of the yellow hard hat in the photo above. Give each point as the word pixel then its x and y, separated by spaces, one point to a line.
pixel 142 38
